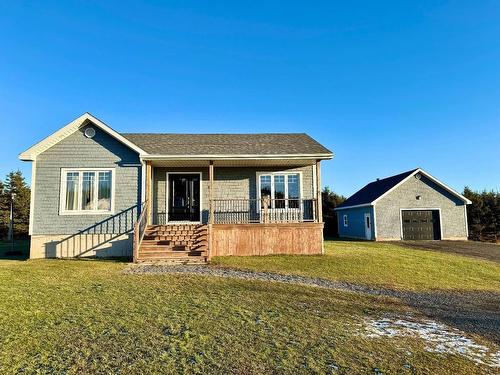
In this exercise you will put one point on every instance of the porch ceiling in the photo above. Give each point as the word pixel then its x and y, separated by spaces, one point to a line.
pixel 234 163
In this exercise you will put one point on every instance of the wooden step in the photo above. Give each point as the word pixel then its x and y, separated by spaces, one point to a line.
pixel 174 261
pixel 171 254
pixel 155 242
pixel 179 242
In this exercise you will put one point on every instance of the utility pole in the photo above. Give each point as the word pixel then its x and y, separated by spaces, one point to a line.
pixel 11 222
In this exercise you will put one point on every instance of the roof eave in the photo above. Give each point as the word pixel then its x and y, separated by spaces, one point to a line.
pixel 238 157
pixel 353 206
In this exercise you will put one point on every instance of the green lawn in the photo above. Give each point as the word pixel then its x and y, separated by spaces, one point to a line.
pixel 381 264
pixel 63 316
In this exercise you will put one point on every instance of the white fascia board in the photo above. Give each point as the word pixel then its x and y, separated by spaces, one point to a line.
pixel 31 153
pixel 236 157
pixel 354 206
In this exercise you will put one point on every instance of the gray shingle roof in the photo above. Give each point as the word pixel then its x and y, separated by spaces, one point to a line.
pixel 227 144
pixel 374 189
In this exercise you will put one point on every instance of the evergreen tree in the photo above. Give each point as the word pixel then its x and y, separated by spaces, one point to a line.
pixel 16 184
pixel 330 200
pixel 4 211
pixel 483 215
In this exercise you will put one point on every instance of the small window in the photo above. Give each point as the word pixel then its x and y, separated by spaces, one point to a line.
pixel 368 222
pixel 346 221
pixel 86 191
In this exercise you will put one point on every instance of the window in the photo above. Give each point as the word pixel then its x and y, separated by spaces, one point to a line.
pixel 368 222
pixel 282 188
pixel 87 191
pixel 346 222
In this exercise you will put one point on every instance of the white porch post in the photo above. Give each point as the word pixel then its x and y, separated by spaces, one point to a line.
pixel 319 207
pixel 211 191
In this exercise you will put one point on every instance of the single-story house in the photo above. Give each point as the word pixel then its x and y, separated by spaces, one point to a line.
pixel 408 206
pixel 98 192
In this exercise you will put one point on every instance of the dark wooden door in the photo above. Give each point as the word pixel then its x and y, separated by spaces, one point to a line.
pixel 184 197
pixel 421 225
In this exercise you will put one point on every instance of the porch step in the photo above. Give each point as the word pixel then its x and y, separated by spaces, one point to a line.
pixel 171 254
pixel 169 237
pixel 180 242
pixel 175 261
pixel 171 232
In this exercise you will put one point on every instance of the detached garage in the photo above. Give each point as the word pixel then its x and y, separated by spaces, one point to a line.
pixel 409 206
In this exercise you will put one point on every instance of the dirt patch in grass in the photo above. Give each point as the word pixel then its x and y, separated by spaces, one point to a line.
pixel 484 250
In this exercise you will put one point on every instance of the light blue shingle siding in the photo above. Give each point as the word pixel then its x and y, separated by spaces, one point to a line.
pixel 78 151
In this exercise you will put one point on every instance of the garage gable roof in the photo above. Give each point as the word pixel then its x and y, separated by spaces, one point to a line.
pixel 371 193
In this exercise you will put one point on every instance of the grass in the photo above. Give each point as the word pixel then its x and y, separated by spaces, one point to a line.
pixel 381 264
pixel 89 317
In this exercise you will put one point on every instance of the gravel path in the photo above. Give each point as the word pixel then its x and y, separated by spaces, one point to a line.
pixel 476 312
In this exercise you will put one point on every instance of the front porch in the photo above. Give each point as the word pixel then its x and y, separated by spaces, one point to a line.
pixel 250 207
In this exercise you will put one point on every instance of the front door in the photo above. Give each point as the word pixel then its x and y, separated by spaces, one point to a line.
pixel 368 226
pixel 183 197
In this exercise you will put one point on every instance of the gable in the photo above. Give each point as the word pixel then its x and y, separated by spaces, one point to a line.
pixel 31 153
pixel 77 150
pixel 431 194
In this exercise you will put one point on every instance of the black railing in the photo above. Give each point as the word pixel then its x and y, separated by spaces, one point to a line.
pixel 241 211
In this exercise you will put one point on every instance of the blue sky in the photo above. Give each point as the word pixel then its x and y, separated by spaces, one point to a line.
pixel 387 85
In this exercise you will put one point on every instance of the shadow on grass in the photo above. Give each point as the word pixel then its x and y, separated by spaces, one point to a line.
pixel 338 239
pixel 20 251
pixel 87 259
pixel 17 251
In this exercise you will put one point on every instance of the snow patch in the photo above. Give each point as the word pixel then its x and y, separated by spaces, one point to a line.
pixel 438 337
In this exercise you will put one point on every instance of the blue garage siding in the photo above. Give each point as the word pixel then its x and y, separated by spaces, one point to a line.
pixel 356 222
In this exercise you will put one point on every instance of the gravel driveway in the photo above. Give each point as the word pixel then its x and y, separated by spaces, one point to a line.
pixel 475 249
pixel 476 312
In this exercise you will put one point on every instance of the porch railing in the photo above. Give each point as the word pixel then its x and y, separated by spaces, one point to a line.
pixel 241 211
pixel 140 228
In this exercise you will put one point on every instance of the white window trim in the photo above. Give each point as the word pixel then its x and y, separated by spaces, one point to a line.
pixel 345 220
pixel 62 198
pixel 280 173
